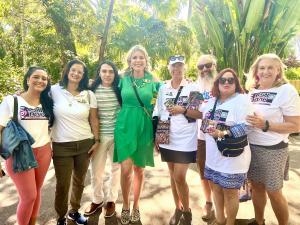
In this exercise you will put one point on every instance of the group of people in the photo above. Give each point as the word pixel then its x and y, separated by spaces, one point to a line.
pixel 108 125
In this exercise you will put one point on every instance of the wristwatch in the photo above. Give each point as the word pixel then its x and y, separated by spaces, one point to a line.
pixel 266 127
pixel 97 140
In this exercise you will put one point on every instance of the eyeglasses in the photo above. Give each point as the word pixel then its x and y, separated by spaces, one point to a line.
pixel 206 65
pixel 223 80
pixel 176 57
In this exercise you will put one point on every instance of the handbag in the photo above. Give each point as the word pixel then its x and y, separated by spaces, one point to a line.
pixel 230 146
pixel 162 135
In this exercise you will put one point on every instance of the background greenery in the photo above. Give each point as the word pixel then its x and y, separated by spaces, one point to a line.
pixel 51 32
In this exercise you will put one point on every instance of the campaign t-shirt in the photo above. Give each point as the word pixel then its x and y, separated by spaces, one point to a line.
pixel 272 104
pixel 205 89
pixel 31 118
pixel 233 111
pixel 183 135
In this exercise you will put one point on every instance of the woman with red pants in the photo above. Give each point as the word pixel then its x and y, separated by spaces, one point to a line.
pixel 35 115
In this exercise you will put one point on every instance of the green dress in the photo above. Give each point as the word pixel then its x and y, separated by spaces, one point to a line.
pixel 133 130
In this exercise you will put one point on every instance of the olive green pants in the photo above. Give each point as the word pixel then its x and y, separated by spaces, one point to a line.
pixel 71 160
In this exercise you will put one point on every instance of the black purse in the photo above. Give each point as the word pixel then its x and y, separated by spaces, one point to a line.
pixel 230 146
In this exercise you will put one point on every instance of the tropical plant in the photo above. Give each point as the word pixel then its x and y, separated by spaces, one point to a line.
pixel 237 31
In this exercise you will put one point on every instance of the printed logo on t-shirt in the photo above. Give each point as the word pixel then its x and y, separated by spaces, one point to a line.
pixel 182 101
pixel 220 115
pixel 206 95
pixel 263 98
pixel 32 114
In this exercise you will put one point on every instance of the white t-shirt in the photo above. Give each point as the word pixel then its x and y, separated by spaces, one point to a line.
pixel 273 104
pixel 205 89
pixel 71 115
pixel 183 135
pixel 233 111
pixel 31 118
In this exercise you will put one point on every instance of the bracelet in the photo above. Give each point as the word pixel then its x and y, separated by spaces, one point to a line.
pixel 97 140
pixel 185 111
pixel 266 127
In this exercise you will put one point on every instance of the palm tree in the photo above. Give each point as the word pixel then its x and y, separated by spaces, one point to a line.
pixel 237 31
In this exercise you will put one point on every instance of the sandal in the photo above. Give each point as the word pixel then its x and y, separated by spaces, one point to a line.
pixel 125 216
pixel 208 211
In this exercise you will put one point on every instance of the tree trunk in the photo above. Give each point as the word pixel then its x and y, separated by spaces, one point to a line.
pixel 104 38
pixel 190 9
pixel 23 35
pixel 55 11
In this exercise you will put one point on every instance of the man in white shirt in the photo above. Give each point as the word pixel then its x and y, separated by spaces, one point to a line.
pixel 207 70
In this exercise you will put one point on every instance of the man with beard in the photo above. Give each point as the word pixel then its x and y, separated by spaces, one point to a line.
pixel 206 72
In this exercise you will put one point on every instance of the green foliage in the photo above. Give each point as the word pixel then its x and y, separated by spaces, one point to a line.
pixel 237 31
pixel 10 77
pixel 293 73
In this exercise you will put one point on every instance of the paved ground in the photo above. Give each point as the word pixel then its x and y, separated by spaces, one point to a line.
pixel 156 201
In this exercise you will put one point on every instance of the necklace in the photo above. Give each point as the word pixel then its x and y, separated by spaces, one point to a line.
pixel 140 83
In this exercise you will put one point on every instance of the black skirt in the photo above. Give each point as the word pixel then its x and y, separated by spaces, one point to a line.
pixel 168 155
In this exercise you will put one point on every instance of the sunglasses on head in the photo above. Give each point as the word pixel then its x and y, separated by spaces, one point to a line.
pixel 229 80
pixel 176 57
pixel 206 65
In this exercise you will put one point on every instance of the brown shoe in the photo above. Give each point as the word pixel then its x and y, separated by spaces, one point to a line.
pixel 176 217
pixel 110 209
pixel 186 218
pixel 208 212
pixel 93 208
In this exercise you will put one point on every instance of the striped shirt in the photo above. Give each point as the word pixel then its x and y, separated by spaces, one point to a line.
pixel 108 108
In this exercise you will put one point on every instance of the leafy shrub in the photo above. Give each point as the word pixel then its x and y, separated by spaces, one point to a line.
pixel 293 73
pixel 10 77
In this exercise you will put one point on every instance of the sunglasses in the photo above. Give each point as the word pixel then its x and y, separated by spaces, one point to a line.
pixel 176 57
pixel 206 65
pixel 229 80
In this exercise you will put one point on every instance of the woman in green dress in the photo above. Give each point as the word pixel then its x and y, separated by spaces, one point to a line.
pixel 133 131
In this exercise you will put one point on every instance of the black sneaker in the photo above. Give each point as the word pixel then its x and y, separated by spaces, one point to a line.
pixel 78 218
pixel 61 221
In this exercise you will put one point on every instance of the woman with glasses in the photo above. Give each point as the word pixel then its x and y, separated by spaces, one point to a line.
pixel 277 114
pixel 172 105
pixel 133 131
pixel 224 116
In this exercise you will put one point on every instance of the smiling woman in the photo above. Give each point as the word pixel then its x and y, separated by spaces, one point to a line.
pixel 75 136
pixel 277 114
pixel 28 168
pixel 134 131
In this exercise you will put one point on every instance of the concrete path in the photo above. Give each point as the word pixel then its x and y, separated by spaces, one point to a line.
pixel 156 201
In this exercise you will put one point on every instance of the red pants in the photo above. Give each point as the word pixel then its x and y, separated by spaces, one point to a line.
pixel 29 184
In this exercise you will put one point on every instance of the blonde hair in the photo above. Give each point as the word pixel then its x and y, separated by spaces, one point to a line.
pixel 134 49
pixel 252 79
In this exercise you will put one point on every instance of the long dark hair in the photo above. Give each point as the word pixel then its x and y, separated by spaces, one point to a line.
pixel 215 89
pixel 115 83
pixel 45 99
pixel 83 84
